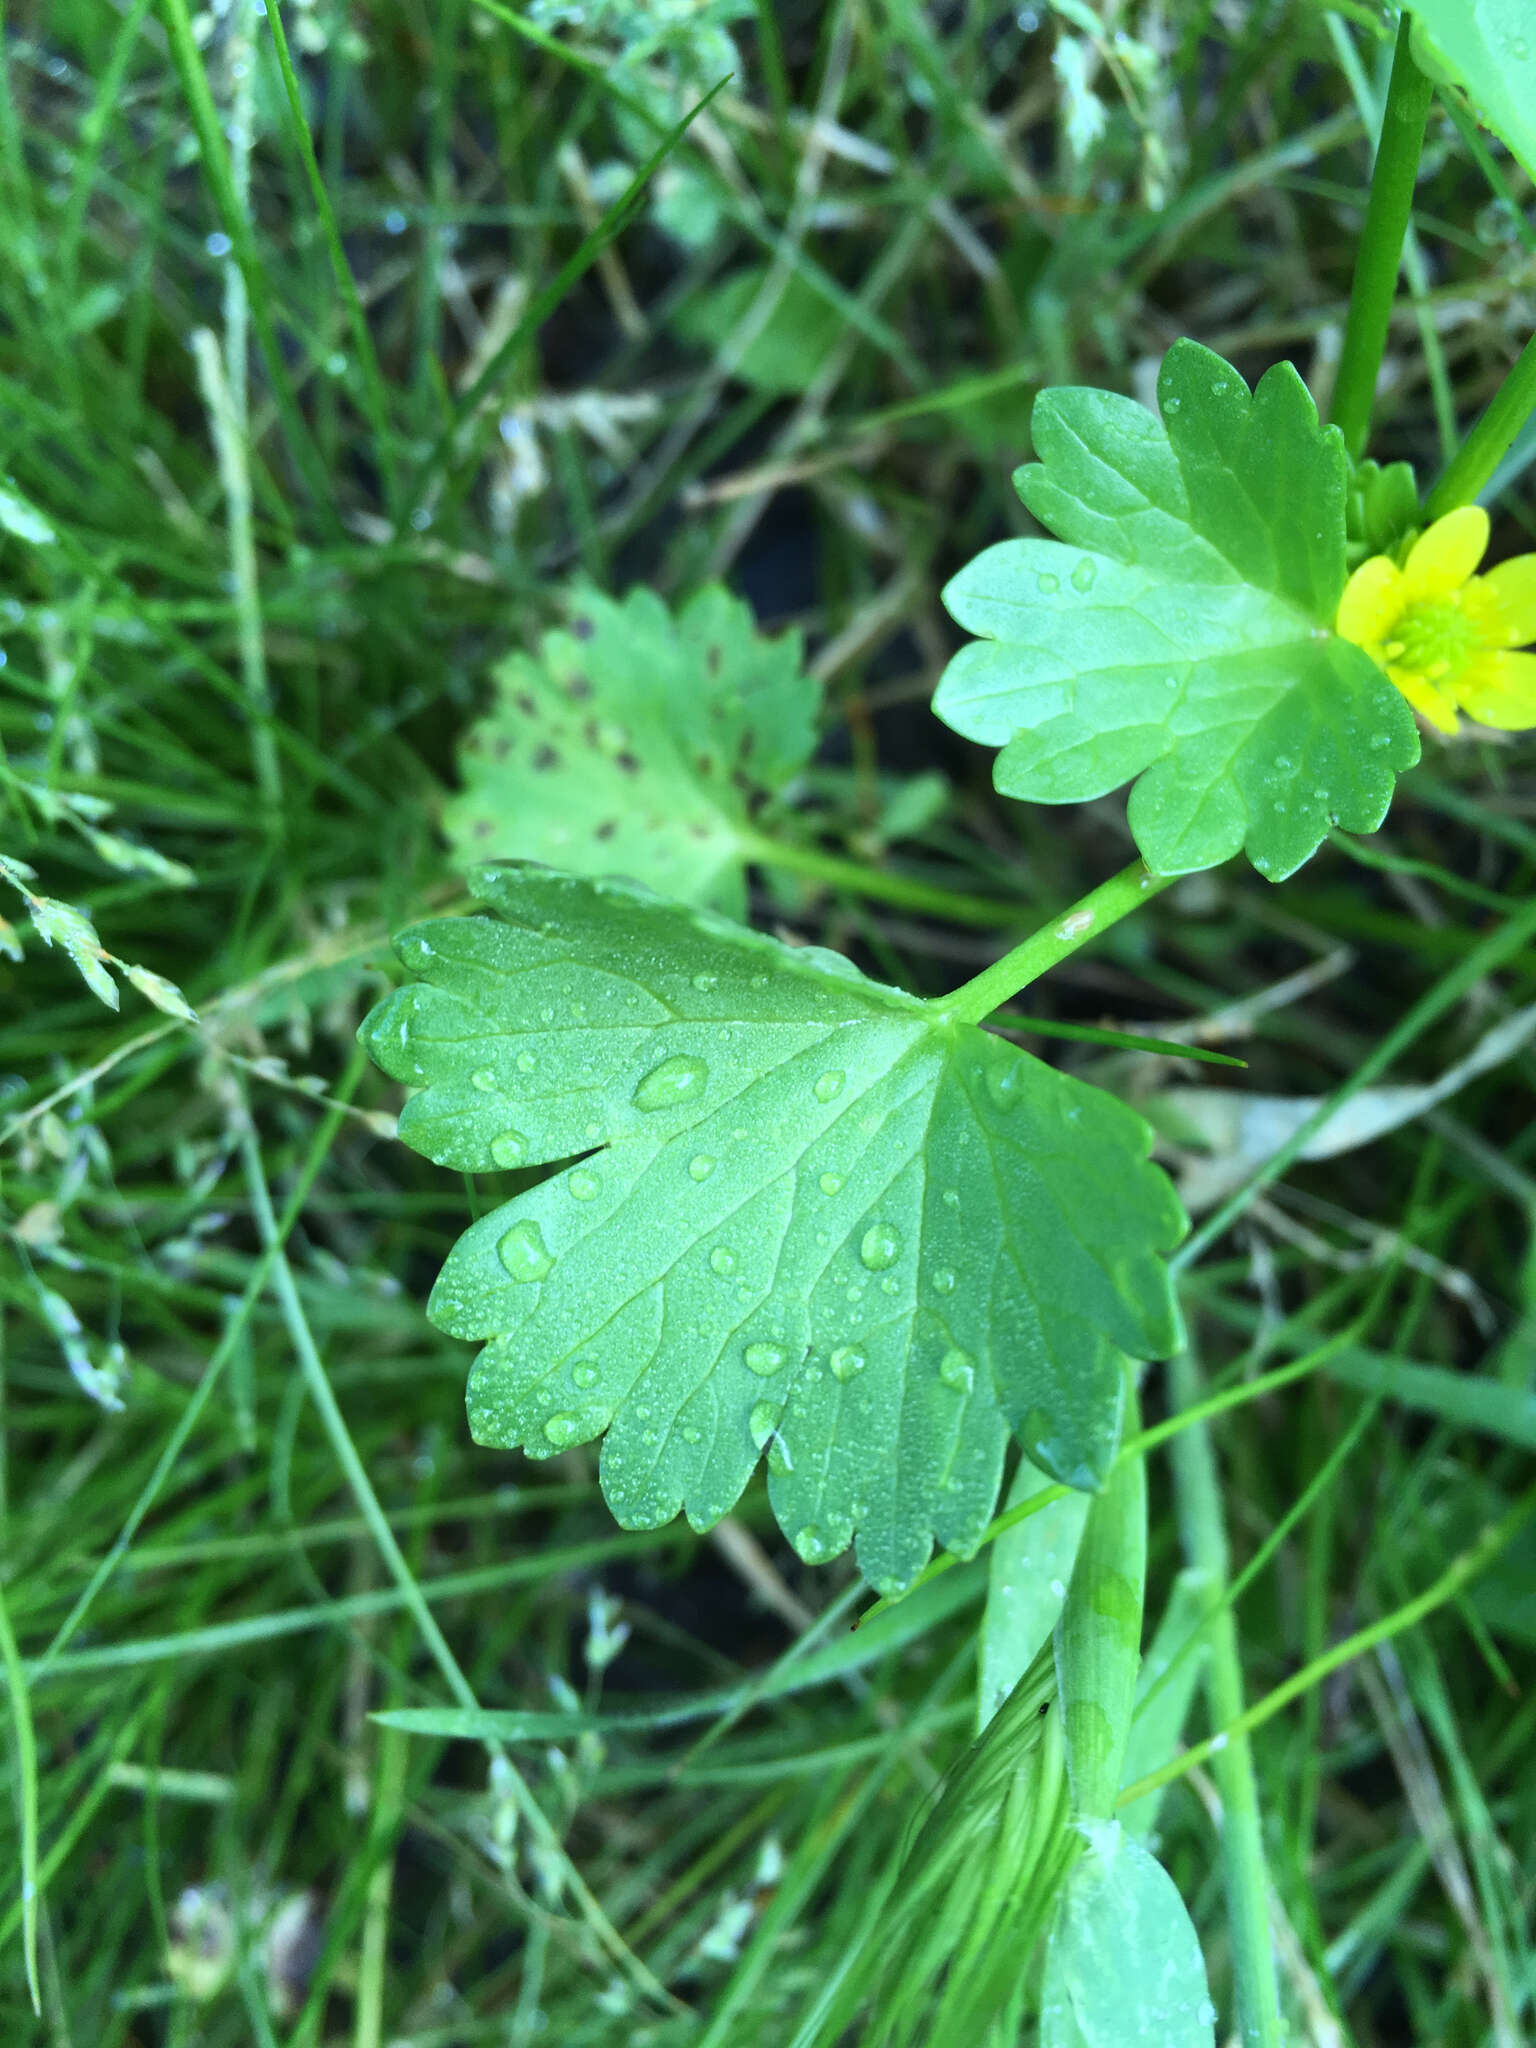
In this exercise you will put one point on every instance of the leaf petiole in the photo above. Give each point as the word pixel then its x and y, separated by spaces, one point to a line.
pixel 1381 244
pixel 1091 915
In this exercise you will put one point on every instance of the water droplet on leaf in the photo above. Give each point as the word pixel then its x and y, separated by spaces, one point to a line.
pixel 483 1079
pixel 563 1429
pixel 1084 574
pixel 525 1254
pixel 763 1421
pixel 957 1369
pixel 682 1078
pixel 700 1166
pixel 763 1359
pixel 944 1280
pixel 510 1149
pixel 829 1086
pixel 847 1362
pixel 1046 583
pixel 585 1373
pixel 584 1183
pixel 880 1247
pixel 722 1260
pixel 830 1183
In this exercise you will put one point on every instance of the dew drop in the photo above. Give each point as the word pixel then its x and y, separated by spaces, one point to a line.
pixel 763 1421
pixel 682 1078
pixel 951 1198
pixel 830 1183
pixel 1084 574
pixel 810 1544
pixel 700 1166
pixel 763 1359
pixel 880 1247
pixel 563 1429
pixel 759 981
pixel 722 1260
pixel 584 1374
pixel 526 1063
pixel 944 1280
pixel 525 1254
pixel 510 1149
pixel 705 982
pixel 584 1183
pixel 957 1369
pixel 779 1461
pixel 692 1435
pixel 483 1079
pixel 829 1086
pixel 1046 583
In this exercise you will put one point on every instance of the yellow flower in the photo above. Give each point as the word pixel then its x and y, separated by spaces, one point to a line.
pixel 1444 635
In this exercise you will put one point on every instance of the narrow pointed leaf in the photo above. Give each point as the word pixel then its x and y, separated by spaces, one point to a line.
pixel 802 1213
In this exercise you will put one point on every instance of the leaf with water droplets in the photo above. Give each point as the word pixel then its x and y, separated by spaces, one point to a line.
pixel 869 1284
pixel 638 743
pixel 1123 1967
pixel 1488 48
pixel 1179 632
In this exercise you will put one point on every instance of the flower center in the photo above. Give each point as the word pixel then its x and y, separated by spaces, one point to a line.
pixel 1437 638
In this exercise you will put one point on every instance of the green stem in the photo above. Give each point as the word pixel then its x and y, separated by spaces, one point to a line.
pixel 862 880
pixel 1387 215
pixel 1458 1573
pixel 1242 1837
pixel 1485 447
pixel 1091 915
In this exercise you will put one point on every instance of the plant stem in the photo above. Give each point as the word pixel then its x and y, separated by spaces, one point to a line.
pixel 1091 915
pixel 1458 1573
pixel 862 880
pixel 1387 215
pixel 1484 448
pixel 1242 1837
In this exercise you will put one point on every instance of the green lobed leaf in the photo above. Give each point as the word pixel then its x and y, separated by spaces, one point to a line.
pixel 638 743
pixel 1123 1967
pixel 814 1216
pixel 1488 47
pixel 1180 629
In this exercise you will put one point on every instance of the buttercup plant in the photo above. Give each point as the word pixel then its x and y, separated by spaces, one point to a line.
pixel 800 1216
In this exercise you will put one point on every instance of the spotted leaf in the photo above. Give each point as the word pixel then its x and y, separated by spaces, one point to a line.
pixel 637 743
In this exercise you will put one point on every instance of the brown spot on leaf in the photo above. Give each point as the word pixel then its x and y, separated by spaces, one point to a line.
pixel 546 757
pixel 630 763
pixel 578 689
pixel 525 704
pixel 582 628
pixel 589 732
pixel 482 828
pixel 712 660
pixel 607 828
pixel 501 747
pixel 705 763
pixel 748 742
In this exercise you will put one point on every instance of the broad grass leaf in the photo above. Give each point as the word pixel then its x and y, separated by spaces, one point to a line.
pixel 1123 1967
pixel 1179 631
pixel 799 1213
pixel 638 743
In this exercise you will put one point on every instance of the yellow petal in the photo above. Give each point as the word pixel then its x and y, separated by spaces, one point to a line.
pixel 1429 702
pixel 1446 554
pixel 1371 602
pixel 1500 690
pixel 1513 583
